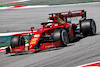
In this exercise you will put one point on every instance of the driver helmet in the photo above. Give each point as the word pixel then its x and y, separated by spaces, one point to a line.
pixel 49 24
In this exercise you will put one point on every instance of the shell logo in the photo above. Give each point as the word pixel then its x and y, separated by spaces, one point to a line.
pixel 34 39
pixel 33 42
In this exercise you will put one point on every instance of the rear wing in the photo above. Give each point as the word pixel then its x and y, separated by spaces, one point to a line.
pixel 76 13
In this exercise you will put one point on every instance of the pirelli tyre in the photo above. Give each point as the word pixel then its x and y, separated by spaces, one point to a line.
pixel 88 27
pixel 61 34
pixel 17 40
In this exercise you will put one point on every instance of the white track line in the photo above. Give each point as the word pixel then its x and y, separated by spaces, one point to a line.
pixel 35 6
pixel 12 33
pixel 24 0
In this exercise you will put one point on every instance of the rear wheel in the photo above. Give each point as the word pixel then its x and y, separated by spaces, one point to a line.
pixel 17 40
pixel 61 34
pixel 88 27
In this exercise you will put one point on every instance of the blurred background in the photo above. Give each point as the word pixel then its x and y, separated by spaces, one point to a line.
pixel 44 2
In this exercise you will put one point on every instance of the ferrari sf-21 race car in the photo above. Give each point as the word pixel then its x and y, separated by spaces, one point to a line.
pixel 58 31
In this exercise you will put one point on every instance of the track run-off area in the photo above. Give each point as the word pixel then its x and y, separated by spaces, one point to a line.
pixel 83 51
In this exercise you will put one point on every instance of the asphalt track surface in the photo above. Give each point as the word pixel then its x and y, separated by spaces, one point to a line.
pixel 85 50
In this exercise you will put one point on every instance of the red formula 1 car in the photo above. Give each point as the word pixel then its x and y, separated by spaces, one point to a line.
pixel 59 31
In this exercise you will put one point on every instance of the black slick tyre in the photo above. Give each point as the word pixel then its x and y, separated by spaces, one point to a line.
pixel 61 34
pixel 17 40
pixel 88 27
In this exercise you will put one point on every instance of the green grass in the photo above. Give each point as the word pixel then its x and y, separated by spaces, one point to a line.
pixel 5 45
pixel 49 2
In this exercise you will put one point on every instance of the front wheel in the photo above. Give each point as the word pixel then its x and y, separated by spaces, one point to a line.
pixel 61 34
pixel 17 40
